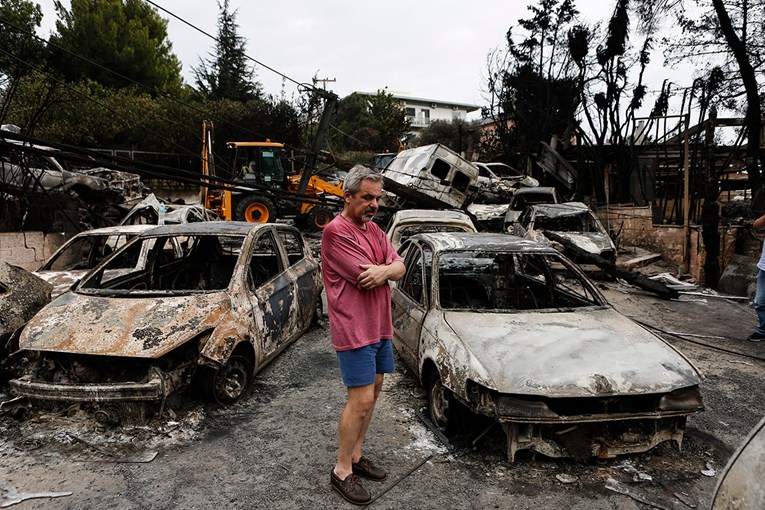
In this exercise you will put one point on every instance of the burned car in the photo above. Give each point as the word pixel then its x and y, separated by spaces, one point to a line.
pixel 409 222
pixel 147 212
pixel 740 485
pixel 83 252
pixel 571 220
pixel 525 197
pixel 513 330
pixel 213 315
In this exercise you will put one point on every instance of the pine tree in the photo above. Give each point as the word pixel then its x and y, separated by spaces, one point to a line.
pixel 226 74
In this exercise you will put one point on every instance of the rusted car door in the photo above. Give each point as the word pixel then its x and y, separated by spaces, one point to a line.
pixel 411 301
pixel 271 291
pixel 303 271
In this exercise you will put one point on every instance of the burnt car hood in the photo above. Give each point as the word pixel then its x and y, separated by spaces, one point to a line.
pixel 131 327
pixel 591 242
pixel 589 352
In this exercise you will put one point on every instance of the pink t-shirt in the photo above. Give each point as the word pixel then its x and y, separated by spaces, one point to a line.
pixel 357 317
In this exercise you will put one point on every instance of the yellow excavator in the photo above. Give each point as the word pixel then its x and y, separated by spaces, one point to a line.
pixel 258 188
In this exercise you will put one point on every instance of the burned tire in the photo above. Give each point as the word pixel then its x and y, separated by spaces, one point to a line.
pixel 229 383
pixel 256 209
pixel 440 404
pixel 319 217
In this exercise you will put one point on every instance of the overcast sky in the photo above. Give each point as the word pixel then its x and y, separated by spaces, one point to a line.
pixel 434 50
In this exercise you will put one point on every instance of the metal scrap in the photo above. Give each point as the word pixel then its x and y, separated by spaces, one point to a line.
pixel 10 495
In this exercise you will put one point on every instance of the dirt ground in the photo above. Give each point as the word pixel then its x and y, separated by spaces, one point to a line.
pixel 276 448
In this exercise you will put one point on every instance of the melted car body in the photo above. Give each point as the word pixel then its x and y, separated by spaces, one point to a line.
pixel 220 308
pixel 572 220
pixel 513 330
pixel 82 253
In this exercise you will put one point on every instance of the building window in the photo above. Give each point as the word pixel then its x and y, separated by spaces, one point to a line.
pixel 410 112
pixel 425 116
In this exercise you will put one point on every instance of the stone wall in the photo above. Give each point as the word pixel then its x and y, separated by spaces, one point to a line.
pixel 28 249
pixel 635 228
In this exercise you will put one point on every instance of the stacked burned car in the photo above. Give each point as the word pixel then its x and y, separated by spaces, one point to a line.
pixel 511 329
pixel 204 303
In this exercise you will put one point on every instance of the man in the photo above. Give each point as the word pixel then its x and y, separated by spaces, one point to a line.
pixel 358 260
pixel 759 294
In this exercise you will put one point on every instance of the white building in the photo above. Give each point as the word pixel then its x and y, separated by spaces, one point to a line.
pixel 421 112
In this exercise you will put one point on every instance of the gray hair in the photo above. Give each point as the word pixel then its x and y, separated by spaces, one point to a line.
pixel 358 173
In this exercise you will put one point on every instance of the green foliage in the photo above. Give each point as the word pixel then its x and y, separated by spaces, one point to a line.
pixel 125 36
pixel 226 75
pixel 90 115
pixel 26 16
pixel 368 123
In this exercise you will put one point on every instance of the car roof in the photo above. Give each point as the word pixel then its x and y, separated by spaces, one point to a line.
pixel 482 241
pixel 449 214
pixel 213 227
pixel 117 229
pixel 538 189
pixel 564 209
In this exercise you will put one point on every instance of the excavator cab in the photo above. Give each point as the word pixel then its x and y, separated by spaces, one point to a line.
pixel 259 163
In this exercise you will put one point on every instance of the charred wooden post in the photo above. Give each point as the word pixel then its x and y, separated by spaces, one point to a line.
pixel 632 277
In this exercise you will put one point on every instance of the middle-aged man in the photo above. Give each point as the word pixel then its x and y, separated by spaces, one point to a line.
pixel 358 260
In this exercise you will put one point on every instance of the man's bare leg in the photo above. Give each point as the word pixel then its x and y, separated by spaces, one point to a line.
pixel 361 400
pixel 367 420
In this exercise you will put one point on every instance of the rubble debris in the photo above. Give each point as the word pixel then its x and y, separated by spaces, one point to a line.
pixel 9 495
pixel 564 478
pixel 554 164
pixel 673 283
pixel 685 500
pixel 634 278
pixel 637 495
pixel 709 471
pixel 641 261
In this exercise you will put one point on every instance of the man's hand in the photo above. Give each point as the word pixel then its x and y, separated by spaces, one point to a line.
pixel 372 276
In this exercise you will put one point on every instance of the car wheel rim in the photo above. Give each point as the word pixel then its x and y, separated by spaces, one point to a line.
pixel 256 213
pixel 231 381
pixel 439 405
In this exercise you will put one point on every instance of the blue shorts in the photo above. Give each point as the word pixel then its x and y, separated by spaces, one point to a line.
pixel 360 366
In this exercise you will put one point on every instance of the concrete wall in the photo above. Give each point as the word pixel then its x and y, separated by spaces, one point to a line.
pixel 28 249
pixel 635 228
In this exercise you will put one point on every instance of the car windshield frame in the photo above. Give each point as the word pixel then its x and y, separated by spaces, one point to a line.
pixel 182 246
pixel 595 300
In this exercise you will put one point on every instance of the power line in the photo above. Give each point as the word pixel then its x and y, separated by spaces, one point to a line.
pixel 299 84
pixel 142 85
pixel 146 87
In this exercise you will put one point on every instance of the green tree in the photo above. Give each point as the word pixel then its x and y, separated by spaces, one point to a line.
pixel 128 37
pixel 369 123
pixel 19 19
pixel 227 75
